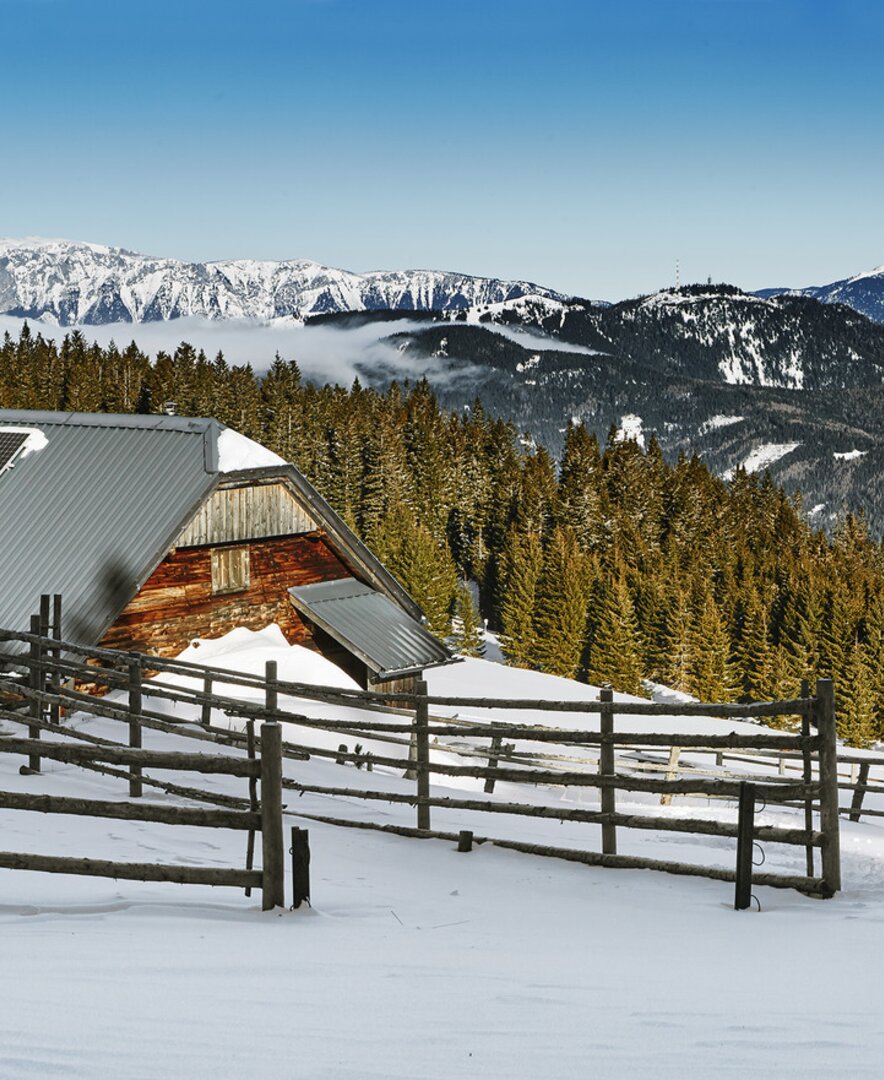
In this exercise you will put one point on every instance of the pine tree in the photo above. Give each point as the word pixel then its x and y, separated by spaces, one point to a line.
pixel 677 640
pixel 560 609
pixel 710 672
pixel 855 715
pixel 615 652
pixel 523 561
pixel 754 654
pixel 580 494
pixel 465 623
pixel 421 563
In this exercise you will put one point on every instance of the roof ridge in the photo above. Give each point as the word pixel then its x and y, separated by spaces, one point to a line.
pixel 140 421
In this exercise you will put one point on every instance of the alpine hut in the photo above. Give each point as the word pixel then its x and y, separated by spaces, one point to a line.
pixel 157 530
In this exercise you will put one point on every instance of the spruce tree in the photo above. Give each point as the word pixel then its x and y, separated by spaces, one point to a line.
pixel 855 713
pixel 523 561
pixel 560 609
pixel 465 623
pixel 615 652
pixel 710 672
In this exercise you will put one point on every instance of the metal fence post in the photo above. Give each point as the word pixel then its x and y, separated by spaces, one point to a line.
pixel 272 847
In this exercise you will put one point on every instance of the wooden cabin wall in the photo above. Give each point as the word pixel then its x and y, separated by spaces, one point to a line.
pixel 405 685
pixel 246 512
pixel 176 605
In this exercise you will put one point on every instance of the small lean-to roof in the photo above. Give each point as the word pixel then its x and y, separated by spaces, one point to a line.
pixel 371 626
pixel 93 508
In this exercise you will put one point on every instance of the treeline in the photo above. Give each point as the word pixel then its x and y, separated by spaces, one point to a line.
pixel 614 565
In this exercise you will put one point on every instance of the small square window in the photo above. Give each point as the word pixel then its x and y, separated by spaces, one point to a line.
pixel 230 570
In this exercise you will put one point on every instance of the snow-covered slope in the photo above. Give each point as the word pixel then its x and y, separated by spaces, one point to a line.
pixel 416 960
pixel 71 283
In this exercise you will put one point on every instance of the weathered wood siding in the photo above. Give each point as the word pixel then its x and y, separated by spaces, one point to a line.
pixel 176 604
pixel 246 512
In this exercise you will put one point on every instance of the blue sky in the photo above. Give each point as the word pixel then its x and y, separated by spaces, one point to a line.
pixel 587 146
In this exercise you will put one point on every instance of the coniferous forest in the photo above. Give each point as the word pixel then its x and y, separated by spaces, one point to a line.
pixel 612 565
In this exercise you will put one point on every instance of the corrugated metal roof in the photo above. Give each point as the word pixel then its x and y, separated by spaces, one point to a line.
pixel 370 625
pixel 91 514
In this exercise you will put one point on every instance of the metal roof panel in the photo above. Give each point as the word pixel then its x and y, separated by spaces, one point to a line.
pixel 370 625
pixel 91 514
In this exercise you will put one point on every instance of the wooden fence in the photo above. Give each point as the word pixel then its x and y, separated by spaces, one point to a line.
pixel 51 674
pixel 39 701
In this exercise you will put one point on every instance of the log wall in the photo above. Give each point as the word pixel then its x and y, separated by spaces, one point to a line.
pixel 176 604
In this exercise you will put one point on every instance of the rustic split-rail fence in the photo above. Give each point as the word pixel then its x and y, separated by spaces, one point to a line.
pixel 418 740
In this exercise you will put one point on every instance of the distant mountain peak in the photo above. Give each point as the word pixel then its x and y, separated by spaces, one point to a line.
pixel 864 292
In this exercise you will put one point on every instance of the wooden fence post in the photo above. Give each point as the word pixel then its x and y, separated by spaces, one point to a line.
pixel 300 853
pixel 253 799
pixel 828 757
pixel 271 691
pixel 859 791
pixel 745 838
pixel 492 761
pixel 206 707
pixel 273 866
pixel 35 680
pixel 55 654
pixel 606 768
pixel 135 705
pixel 807 774
pixel 671 773
pixel 422 737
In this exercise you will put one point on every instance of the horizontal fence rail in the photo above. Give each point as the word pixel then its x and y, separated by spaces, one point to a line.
pixel 409 736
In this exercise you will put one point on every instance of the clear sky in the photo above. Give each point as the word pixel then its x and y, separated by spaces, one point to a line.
pixel 583 145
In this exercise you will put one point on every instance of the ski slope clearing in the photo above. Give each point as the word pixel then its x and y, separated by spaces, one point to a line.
pixel 415 960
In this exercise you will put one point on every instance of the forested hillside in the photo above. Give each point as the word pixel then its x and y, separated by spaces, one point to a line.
pixel 617 565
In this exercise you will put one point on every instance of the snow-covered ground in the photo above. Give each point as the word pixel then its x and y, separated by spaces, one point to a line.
pixel 417 961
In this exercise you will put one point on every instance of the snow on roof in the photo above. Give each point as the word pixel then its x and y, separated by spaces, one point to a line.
pixel 35 441
pixel 236 452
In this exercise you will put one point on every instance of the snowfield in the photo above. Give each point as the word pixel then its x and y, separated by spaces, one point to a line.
pixel 416 961
pixel 762 457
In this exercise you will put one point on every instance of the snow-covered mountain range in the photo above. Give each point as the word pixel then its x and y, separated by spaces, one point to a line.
pixel 863 292
pixel 67 283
